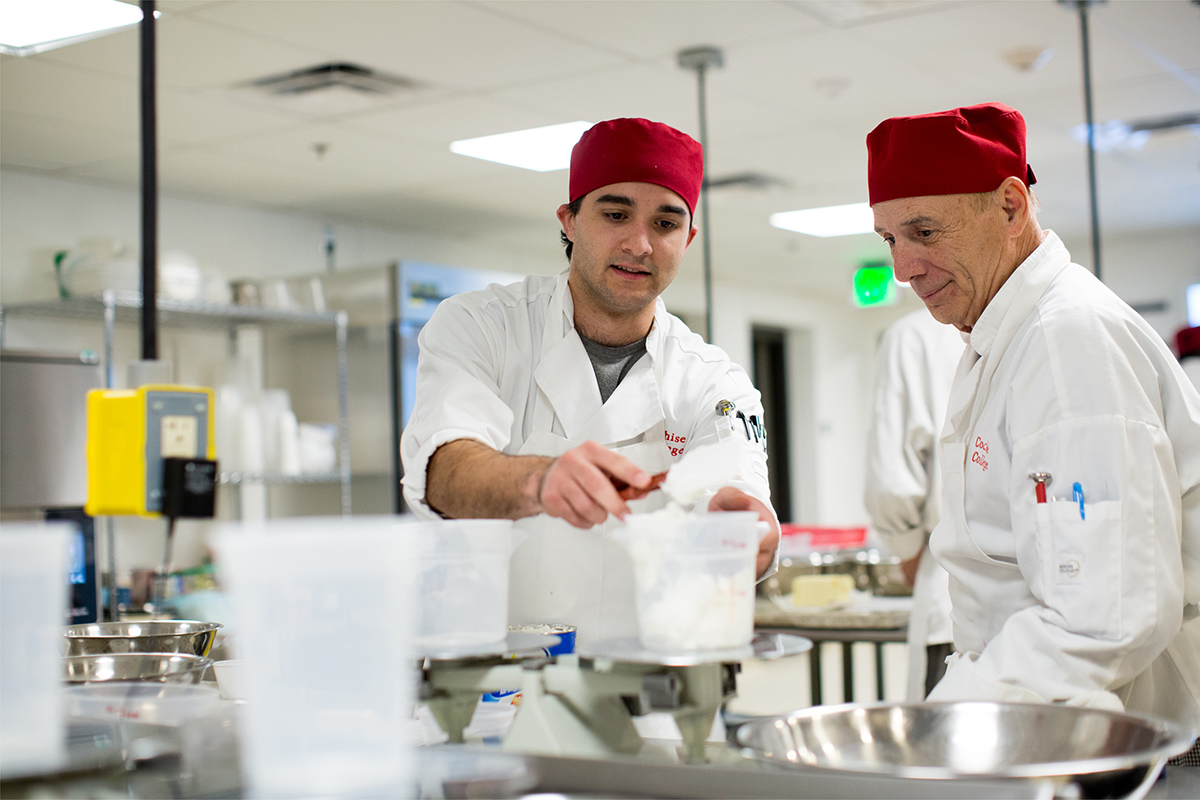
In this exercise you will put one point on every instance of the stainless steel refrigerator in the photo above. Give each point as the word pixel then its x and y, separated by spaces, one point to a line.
pixel 43 460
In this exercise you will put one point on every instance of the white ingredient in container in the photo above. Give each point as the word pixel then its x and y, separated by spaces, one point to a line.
pixel 695 578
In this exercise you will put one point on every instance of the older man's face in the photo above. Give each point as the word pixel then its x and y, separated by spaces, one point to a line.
pixel 948 250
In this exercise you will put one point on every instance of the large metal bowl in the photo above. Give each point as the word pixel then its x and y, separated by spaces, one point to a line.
pixel 156 667
pixel 157 636
pixel 1106 753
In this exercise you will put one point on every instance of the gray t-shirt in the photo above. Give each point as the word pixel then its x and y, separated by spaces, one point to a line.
pixel 612 364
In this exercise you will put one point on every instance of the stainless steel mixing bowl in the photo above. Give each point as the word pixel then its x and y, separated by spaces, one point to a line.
pixel 155 667
pixel 157 636
pixel 1093 748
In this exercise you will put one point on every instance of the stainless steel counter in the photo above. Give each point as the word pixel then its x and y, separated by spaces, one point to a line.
pixel 202 761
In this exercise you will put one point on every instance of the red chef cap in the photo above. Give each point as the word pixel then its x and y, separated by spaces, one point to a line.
pixel 621 150
pixel 961 151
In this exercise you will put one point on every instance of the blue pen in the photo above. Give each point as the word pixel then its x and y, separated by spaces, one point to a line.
pixel 1077 494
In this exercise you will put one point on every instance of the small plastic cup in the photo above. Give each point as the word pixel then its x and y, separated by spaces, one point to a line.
pixel 695 576
pixel 230 678
pixel 323 610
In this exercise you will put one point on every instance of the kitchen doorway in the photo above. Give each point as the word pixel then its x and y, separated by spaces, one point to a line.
pixel 770 377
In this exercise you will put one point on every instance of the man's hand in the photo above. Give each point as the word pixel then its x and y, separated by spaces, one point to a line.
pixel 578 486
pixel 467 479
pixel 731 499
pixel 909 567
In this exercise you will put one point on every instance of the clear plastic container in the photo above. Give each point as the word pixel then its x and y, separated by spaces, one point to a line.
pixel 324 611
pixel 33 569
pixel 695 577
pixel 462 583
pixel 167 704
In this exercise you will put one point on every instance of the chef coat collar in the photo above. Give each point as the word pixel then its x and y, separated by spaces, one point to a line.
pixel 1035 274
pixel 653 339
pixel 568 383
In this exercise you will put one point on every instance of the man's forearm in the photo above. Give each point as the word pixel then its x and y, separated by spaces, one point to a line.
pixel 466 479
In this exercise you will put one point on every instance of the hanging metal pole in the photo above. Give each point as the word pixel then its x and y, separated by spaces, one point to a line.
pixel 701 59
pixel 1085 40
pixel 149 187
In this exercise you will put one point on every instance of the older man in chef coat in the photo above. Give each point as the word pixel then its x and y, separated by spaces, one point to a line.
pixel 1071 452
pixel 535 401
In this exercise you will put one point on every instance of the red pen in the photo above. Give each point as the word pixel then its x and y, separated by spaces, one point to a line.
pixel 1040 480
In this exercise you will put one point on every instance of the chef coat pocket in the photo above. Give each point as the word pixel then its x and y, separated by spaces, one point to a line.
pixel 1081 572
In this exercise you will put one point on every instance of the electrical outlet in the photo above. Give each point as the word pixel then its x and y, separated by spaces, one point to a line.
pixel 179 436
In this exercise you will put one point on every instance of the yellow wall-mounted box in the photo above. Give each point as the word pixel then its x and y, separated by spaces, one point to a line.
pixel 130 431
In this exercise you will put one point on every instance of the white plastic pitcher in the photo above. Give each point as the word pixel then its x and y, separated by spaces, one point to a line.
pixel 695 578
pixel 323 610
pixel 462 583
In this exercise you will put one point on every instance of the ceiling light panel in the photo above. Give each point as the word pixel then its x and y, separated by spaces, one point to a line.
pixel 539 149
pixel 34 27
pixel 828 221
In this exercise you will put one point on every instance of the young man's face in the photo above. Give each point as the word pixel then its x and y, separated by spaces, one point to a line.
pixel 628 240
pixel 948 250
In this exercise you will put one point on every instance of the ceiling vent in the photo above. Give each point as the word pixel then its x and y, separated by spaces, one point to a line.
pixel 746 180
pixel 330 76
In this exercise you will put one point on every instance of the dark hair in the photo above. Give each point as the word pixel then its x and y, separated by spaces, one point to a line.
pixel 573 207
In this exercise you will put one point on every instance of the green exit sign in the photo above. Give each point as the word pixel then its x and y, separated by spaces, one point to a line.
pixel 873 286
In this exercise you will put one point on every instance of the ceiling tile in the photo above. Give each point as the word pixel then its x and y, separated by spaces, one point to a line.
pixel 352 157
pixel 29 140
pixel 642 30
pixel 424 40
pixel 35 85
pixel 191 52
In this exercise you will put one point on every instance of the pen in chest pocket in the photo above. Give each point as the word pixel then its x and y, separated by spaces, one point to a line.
pixel 1040 479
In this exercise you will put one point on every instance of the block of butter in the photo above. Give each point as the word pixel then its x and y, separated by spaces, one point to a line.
pixel 821 590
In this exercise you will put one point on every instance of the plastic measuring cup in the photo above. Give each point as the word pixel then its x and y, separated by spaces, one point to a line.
pixel 323 610
pixel 695 576
pixel 462 583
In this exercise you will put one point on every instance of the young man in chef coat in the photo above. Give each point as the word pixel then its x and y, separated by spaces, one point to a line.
pixel 1086 591
pixel 535 400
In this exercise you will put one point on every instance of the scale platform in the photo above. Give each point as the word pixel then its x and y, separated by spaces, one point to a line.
pixel 515 645
pixel 764 646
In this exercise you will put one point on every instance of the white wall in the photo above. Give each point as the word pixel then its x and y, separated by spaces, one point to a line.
pixel 40 215
pixel 1148 267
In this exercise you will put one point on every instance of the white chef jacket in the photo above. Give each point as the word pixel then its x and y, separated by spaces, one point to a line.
pixel 917 359
pixel 504 366
pixel 1049 605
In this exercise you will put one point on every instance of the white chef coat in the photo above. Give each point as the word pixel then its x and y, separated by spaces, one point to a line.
pixel 917 359
pixel 504 366
pixel 1063 377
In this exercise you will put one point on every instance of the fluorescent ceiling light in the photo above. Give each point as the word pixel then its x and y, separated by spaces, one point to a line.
pixel 33 26
pixel 1111 135
pixel 539 149
pixel 828 221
